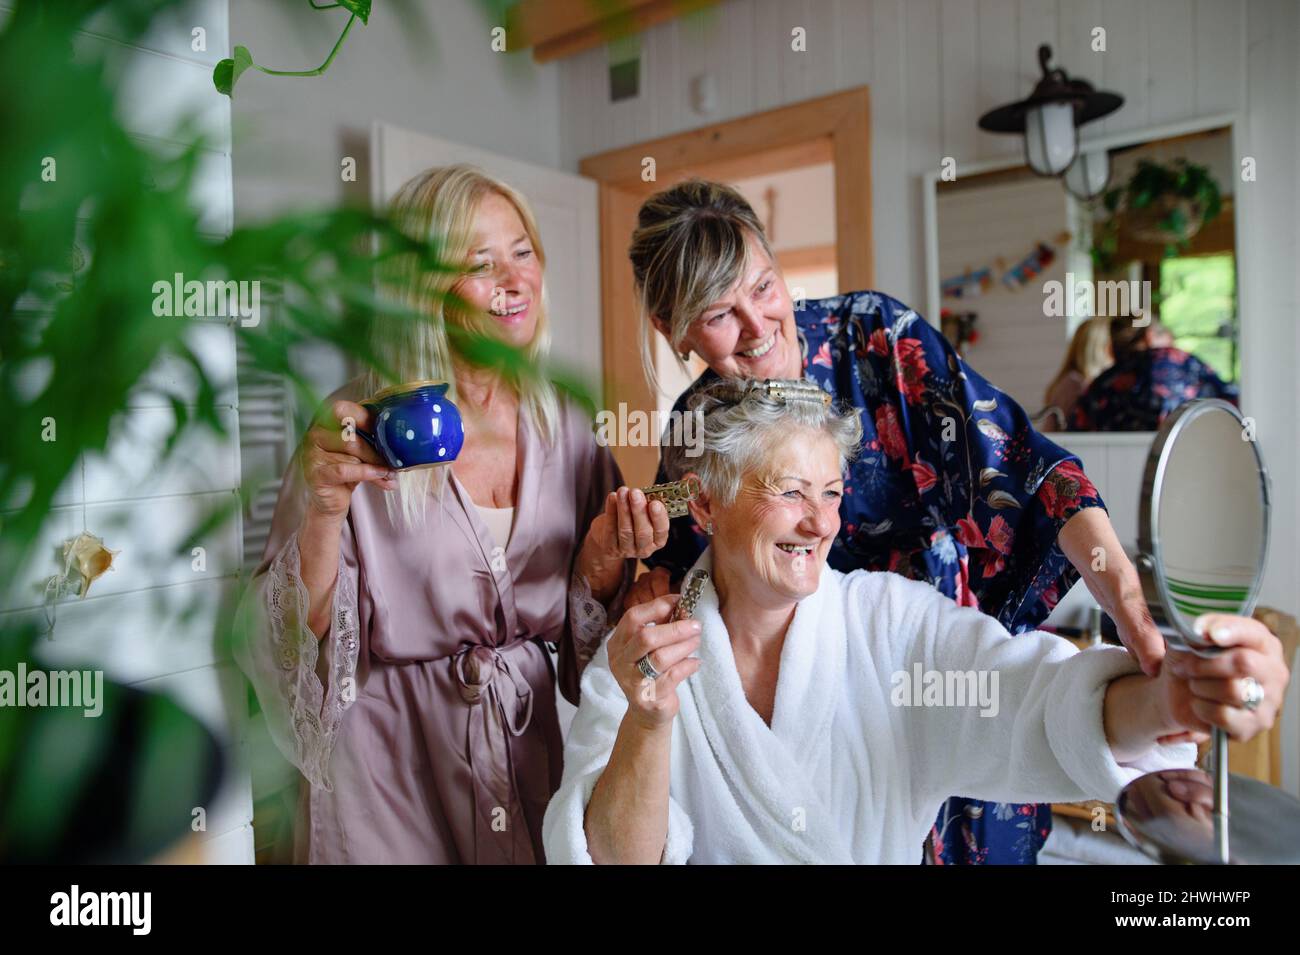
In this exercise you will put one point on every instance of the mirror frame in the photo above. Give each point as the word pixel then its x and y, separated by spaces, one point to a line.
pixel 1149 559
pixel 1129 137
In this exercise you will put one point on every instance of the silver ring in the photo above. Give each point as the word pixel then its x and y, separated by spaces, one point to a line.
pixel 1253 695
pixel 647 668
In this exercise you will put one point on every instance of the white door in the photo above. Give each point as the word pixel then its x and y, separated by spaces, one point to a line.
pixel 566 208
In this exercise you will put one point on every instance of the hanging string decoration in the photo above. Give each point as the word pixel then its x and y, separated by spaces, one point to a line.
pixel 1029 267
pixel 975 282
pixel 968 285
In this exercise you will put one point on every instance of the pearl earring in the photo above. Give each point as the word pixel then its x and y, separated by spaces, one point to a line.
pixel 708 528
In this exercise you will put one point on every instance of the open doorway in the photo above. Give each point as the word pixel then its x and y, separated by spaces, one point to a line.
pixel 806 170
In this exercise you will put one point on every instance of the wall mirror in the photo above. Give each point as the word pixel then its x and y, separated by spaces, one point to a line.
pixel 1024 274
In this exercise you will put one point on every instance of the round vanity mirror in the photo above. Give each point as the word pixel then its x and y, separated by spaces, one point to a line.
pixel 1203 539
pixel 1204 519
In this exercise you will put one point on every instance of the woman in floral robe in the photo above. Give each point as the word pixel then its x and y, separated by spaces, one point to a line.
pixel 953 485
pixel 1149 380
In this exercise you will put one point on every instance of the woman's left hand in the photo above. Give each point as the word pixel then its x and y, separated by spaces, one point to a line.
pixel 1203 692
pixel 631 526
pixel 1138 632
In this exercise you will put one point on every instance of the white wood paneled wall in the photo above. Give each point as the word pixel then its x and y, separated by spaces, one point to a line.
pixel 935 65
pixel 152 621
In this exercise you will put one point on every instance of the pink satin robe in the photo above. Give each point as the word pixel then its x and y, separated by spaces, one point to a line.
pixel 426 726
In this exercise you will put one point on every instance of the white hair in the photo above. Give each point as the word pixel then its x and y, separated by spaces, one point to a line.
pixel 743 424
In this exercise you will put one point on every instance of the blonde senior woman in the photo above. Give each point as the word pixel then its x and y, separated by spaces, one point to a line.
pixel 405 632
pixel 803 730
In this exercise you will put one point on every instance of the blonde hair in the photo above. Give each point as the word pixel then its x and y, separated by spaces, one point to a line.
pixel 688 250
pixel 438 206
pixel 1088 353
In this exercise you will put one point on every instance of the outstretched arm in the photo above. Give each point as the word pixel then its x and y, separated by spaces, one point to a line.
pixel 1089 542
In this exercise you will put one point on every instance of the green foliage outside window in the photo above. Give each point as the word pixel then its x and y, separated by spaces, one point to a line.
pixel 1198 304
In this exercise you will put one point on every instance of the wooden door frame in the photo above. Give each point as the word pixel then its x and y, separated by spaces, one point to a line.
pixel 834 128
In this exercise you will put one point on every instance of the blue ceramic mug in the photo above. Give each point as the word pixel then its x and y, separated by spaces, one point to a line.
pixel 415 425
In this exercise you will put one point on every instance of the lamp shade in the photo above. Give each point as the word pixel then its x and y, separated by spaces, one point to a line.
pixel 1088 174
pixel 1050 116
pixel 1051 141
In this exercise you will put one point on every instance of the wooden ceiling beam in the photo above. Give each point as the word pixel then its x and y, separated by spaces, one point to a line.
pixel 555 29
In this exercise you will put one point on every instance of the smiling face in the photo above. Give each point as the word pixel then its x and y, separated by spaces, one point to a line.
pixel 750 332
pixel 502 278
pixel 771 542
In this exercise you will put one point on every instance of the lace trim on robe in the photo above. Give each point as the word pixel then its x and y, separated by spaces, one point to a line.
pixel 588 619
pixel 315 711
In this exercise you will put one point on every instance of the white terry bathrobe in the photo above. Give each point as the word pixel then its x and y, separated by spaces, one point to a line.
pixel 843 775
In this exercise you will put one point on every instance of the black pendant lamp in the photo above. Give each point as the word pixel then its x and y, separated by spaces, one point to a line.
pixel 1088 175
pixel 1050 118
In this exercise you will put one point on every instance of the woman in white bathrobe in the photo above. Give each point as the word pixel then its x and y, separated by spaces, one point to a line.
pixel 826 716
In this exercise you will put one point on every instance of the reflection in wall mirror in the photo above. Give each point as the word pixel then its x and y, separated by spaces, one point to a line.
pixel 1101 314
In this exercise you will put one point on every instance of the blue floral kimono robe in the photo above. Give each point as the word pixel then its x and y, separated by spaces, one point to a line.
pixel 953 486
pixel 1139 392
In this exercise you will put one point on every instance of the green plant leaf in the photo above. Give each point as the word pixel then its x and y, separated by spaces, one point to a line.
pixel 100 336
pixel 226 73
pixel 1175 222
pixel 361 8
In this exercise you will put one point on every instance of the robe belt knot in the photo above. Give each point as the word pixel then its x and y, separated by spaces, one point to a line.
pixel 492 672
pixel 501 702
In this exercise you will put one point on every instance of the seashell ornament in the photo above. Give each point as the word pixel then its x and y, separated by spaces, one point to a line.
pixel 88 554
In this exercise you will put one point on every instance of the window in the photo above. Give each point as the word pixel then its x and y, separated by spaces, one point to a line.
pixel 1198 304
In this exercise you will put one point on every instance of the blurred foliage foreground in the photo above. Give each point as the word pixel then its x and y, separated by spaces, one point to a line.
pixel 90 219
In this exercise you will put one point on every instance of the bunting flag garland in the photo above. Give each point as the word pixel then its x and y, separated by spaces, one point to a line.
pixel 974 282
pixel 968 285
pixel 1030 266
